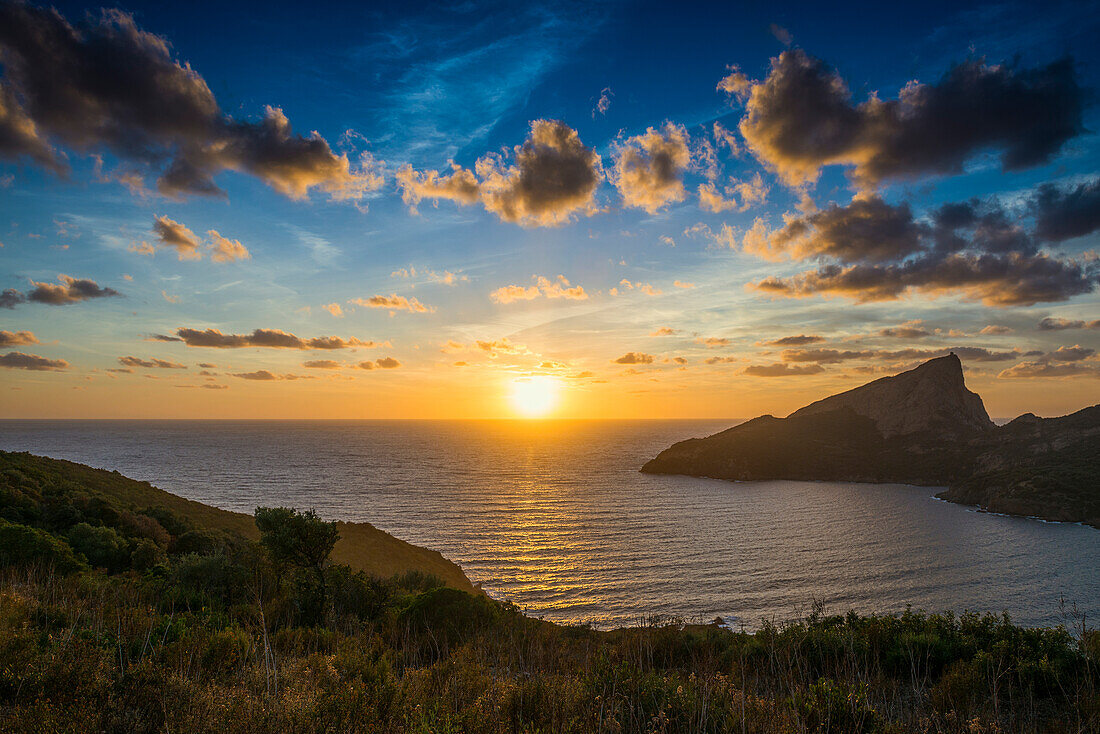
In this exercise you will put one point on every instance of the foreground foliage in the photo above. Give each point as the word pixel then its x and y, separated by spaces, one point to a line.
pixel 122 620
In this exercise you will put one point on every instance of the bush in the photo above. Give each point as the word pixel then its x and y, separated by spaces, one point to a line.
pixel 357 594
pixel 22 546
pixel 102 546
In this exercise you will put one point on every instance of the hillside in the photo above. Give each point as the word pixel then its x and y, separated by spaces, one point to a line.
pixel 361 545
pixel 920 427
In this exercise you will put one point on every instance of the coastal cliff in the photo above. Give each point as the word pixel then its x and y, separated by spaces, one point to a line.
pixel 921 427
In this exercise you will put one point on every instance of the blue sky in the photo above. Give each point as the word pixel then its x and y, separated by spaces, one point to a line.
pixel 419 85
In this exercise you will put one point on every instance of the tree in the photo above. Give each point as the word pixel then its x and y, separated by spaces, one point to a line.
pixel 301 539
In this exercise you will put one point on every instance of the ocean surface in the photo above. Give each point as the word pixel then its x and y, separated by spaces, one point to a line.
pixel 555 517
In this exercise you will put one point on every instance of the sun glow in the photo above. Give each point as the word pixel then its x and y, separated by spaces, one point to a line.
pixel 533 397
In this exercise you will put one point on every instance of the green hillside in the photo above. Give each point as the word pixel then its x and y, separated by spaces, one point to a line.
pixel 26 479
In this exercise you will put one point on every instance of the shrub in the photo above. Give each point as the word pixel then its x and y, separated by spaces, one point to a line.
pixel 102 546
pixel 21 545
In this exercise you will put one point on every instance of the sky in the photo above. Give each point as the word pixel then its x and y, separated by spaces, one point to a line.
pixel 574 210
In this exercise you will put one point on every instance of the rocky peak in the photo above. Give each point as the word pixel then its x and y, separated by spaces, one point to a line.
pixel 929 398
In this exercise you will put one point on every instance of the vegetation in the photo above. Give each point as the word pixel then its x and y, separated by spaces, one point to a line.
pixel 145 621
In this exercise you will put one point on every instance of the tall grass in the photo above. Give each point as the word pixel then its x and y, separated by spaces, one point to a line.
pixel 130 653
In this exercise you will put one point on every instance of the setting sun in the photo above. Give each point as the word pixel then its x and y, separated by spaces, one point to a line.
pixel 533 397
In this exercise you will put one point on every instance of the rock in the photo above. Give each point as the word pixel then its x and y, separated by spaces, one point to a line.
pixel 918 427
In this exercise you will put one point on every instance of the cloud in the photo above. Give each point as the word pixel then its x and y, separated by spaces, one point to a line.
pixel 1076 353
pixel 603 104
pixel 150 363
pixel 559 288
pixel 712 342
pixel 224 250
pixel 393 302
pixel 262 375
pixel 626 285
pixel 781 34
pixel 738 195
pixel 189 246
pixel 722 360
pixel 663 331
pixel 71 290
pixel 866 229
pixel 1031 370
pixel 781 370
pixel 971 248
pixel 1051 323
pixel 634 358
pixel 11 298
pixel 795 341
pixel 1065 213
pixel 682 284
pixel 268 338
pixel 17 338
pixel 802 118
pixel 908 330
pixel 334 309
pixel 735 83
pixel 322 364
pixel 995 329
pixel 545 182
pixel 105 84
pixel 446 277
pixel 175 235
pixel 995 280
pixel 460 186
pixel 385 363
pixel 501 346
pixel 649 168
pixel 23 361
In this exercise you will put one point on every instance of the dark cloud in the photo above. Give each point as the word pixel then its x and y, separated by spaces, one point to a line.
pixel 1051 323
pixel 881 253
pixel 864 230
pixel 836 356
pixel 995 280
pixel 908 330
pixel 266 376
pixel 17 338
pixel 11 298
pixel 262 375
pixel 548 180
pixel 322 364
pixel 802 118
pixel 795 341
pixel 1076 353
pixel 270 338
pixel 104 83
pixel 1026 370
pixel 23 361
pixel 634 358
pixel 150 363
pixel 386 363
pixel 70 290
pixel 1064 213
pixel 781 369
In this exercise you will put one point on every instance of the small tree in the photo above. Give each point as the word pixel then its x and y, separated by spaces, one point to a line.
pixel 301 539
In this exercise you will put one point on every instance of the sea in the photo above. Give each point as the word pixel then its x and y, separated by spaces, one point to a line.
pixel 555 517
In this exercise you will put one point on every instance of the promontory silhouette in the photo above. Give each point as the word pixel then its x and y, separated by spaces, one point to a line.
pixel 918 427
